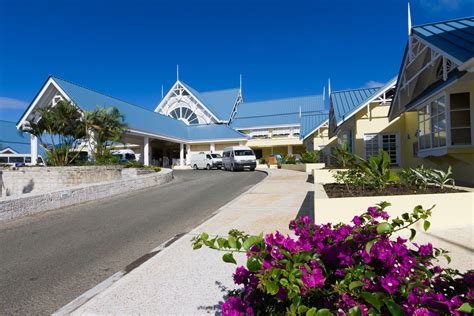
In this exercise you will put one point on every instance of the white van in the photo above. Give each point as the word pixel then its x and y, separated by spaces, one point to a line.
pixel 207 161
pixel 124 155
pixel 238 158
pixel 19 160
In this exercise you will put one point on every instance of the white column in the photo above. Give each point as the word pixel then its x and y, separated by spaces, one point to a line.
pixel 34 149
pixel 290 149
pixel 188 154
pixel 146 151
pixel 90 145
pixel 212 147
pixel 181 154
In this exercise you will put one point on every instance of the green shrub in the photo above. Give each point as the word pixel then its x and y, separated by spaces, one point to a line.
pixel 376 170
pixel 310 156
pixel 420 177
pixel 344 158
pixel 289 159
pixel 137 164
pixel 351 177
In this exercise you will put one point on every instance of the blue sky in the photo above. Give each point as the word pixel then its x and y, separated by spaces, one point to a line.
pixel 129 49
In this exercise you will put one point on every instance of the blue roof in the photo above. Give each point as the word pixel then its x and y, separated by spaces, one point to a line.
pixel 12 138
pixel 347 102
pixel 142 119
pixel 276 112
pixel 455 37
pixel 219 102
pixel 310 122
pixel 212 132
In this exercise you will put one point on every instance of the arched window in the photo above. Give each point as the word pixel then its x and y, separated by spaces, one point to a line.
pixel 184 114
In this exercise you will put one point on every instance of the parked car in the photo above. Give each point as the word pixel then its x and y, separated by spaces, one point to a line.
pixel 19 160
pixel 238 158
pixel 125 155
pixel 207 161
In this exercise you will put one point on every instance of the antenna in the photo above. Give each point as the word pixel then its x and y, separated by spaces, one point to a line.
pixel 409 19
pixel 329 87
pixel 177 72
pixel 162 92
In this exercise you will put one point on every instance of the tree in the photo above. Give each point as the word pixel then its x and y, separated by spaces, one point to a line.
pixel 104 126
pixel 60 131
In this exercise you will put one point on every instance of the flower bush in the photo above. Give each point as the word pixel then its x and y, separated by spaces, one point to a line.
pixel 345 269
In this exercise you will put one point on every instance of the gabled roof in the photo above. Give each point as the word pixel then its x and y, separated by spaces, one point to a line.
pixel 278 112
pixel 10 137
pixel 310 123
pixel 219 102
pixel 455 38
pixel 346 102
pixel 143 120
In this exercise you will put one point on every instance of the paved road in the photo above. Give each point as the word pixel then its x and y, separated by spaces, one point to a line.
pixel 51 258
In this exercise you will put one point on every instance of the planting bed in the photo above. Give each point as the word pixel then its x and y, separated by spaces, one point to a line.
pixel 336 190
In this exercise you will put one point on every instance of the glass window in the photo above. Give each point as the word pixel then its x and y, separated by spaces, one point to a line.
pixel 389 144
pixel 432 124
pixel 371 143
pixel 243 152
pixel 460 119
pixel 216 156
pixel 16 159
pixel 3 159
pixel 208 157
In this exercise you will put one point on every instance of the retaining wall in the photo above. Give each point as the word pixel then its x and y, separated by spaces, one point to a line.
pixel 19 206
pixel 46 179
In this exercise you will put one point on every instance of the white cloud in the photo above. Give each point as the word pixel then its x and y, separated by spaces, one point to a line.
pixel 373 84
pixel 10 103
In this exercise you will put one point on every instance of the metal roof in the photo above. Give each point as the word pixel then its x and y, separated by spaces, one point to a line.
pixel 346 102
pixel 276 112
pixel 219 102
pixel 12 138
pixel 142 119
pixel 310 122
pixel 455 37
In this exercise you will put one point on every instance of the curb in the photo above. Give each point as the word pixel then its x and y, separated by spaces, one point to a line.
pixel 107 283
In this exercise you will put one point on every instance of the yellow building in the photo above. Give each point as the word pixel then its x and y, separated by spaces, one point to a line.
pixel 434 98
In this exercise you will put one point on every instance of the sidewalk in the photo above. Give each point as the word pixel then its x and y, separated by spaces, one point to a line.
pixel 179 280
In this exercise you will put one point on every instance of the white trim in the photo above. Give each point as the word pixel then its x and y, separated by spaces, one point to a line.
pixel 390 85
pixel 170 92
pixel 217 140
pixel 33 104
pixel 157 136
pixel 14 152
pixel 439 51
pixel 379 136
pixel 267 126
pixel 314 130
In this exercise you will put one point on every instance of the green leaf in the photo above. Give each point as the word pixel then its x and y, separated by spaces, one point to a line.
pixel 311 311
pixel 383 228
pixel 221 242
pixel 204 236
pixel 413 234
pixel 249 242
pixel 426 225
pixel 284 282
pixel 323 312
pixel 394 308
pixel 254 263
pixel 302 309
pixel 354 311
pixel 229 258
pixel 355 284
pixel 369 245
pixel 372 299
pixel 465 308
pixel 272 287
pixel 232 242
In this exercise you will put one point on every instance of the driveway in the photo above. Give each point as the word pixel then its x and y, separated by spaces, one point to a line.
pixel 49 259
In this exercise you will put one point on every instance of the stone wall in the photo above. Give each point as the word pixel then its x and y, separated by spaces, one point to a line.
pixel 45 179
pixel 18 206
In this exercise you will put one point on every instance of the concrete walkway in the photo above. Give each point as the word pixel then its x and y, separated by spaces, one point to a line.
pixel 179 280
